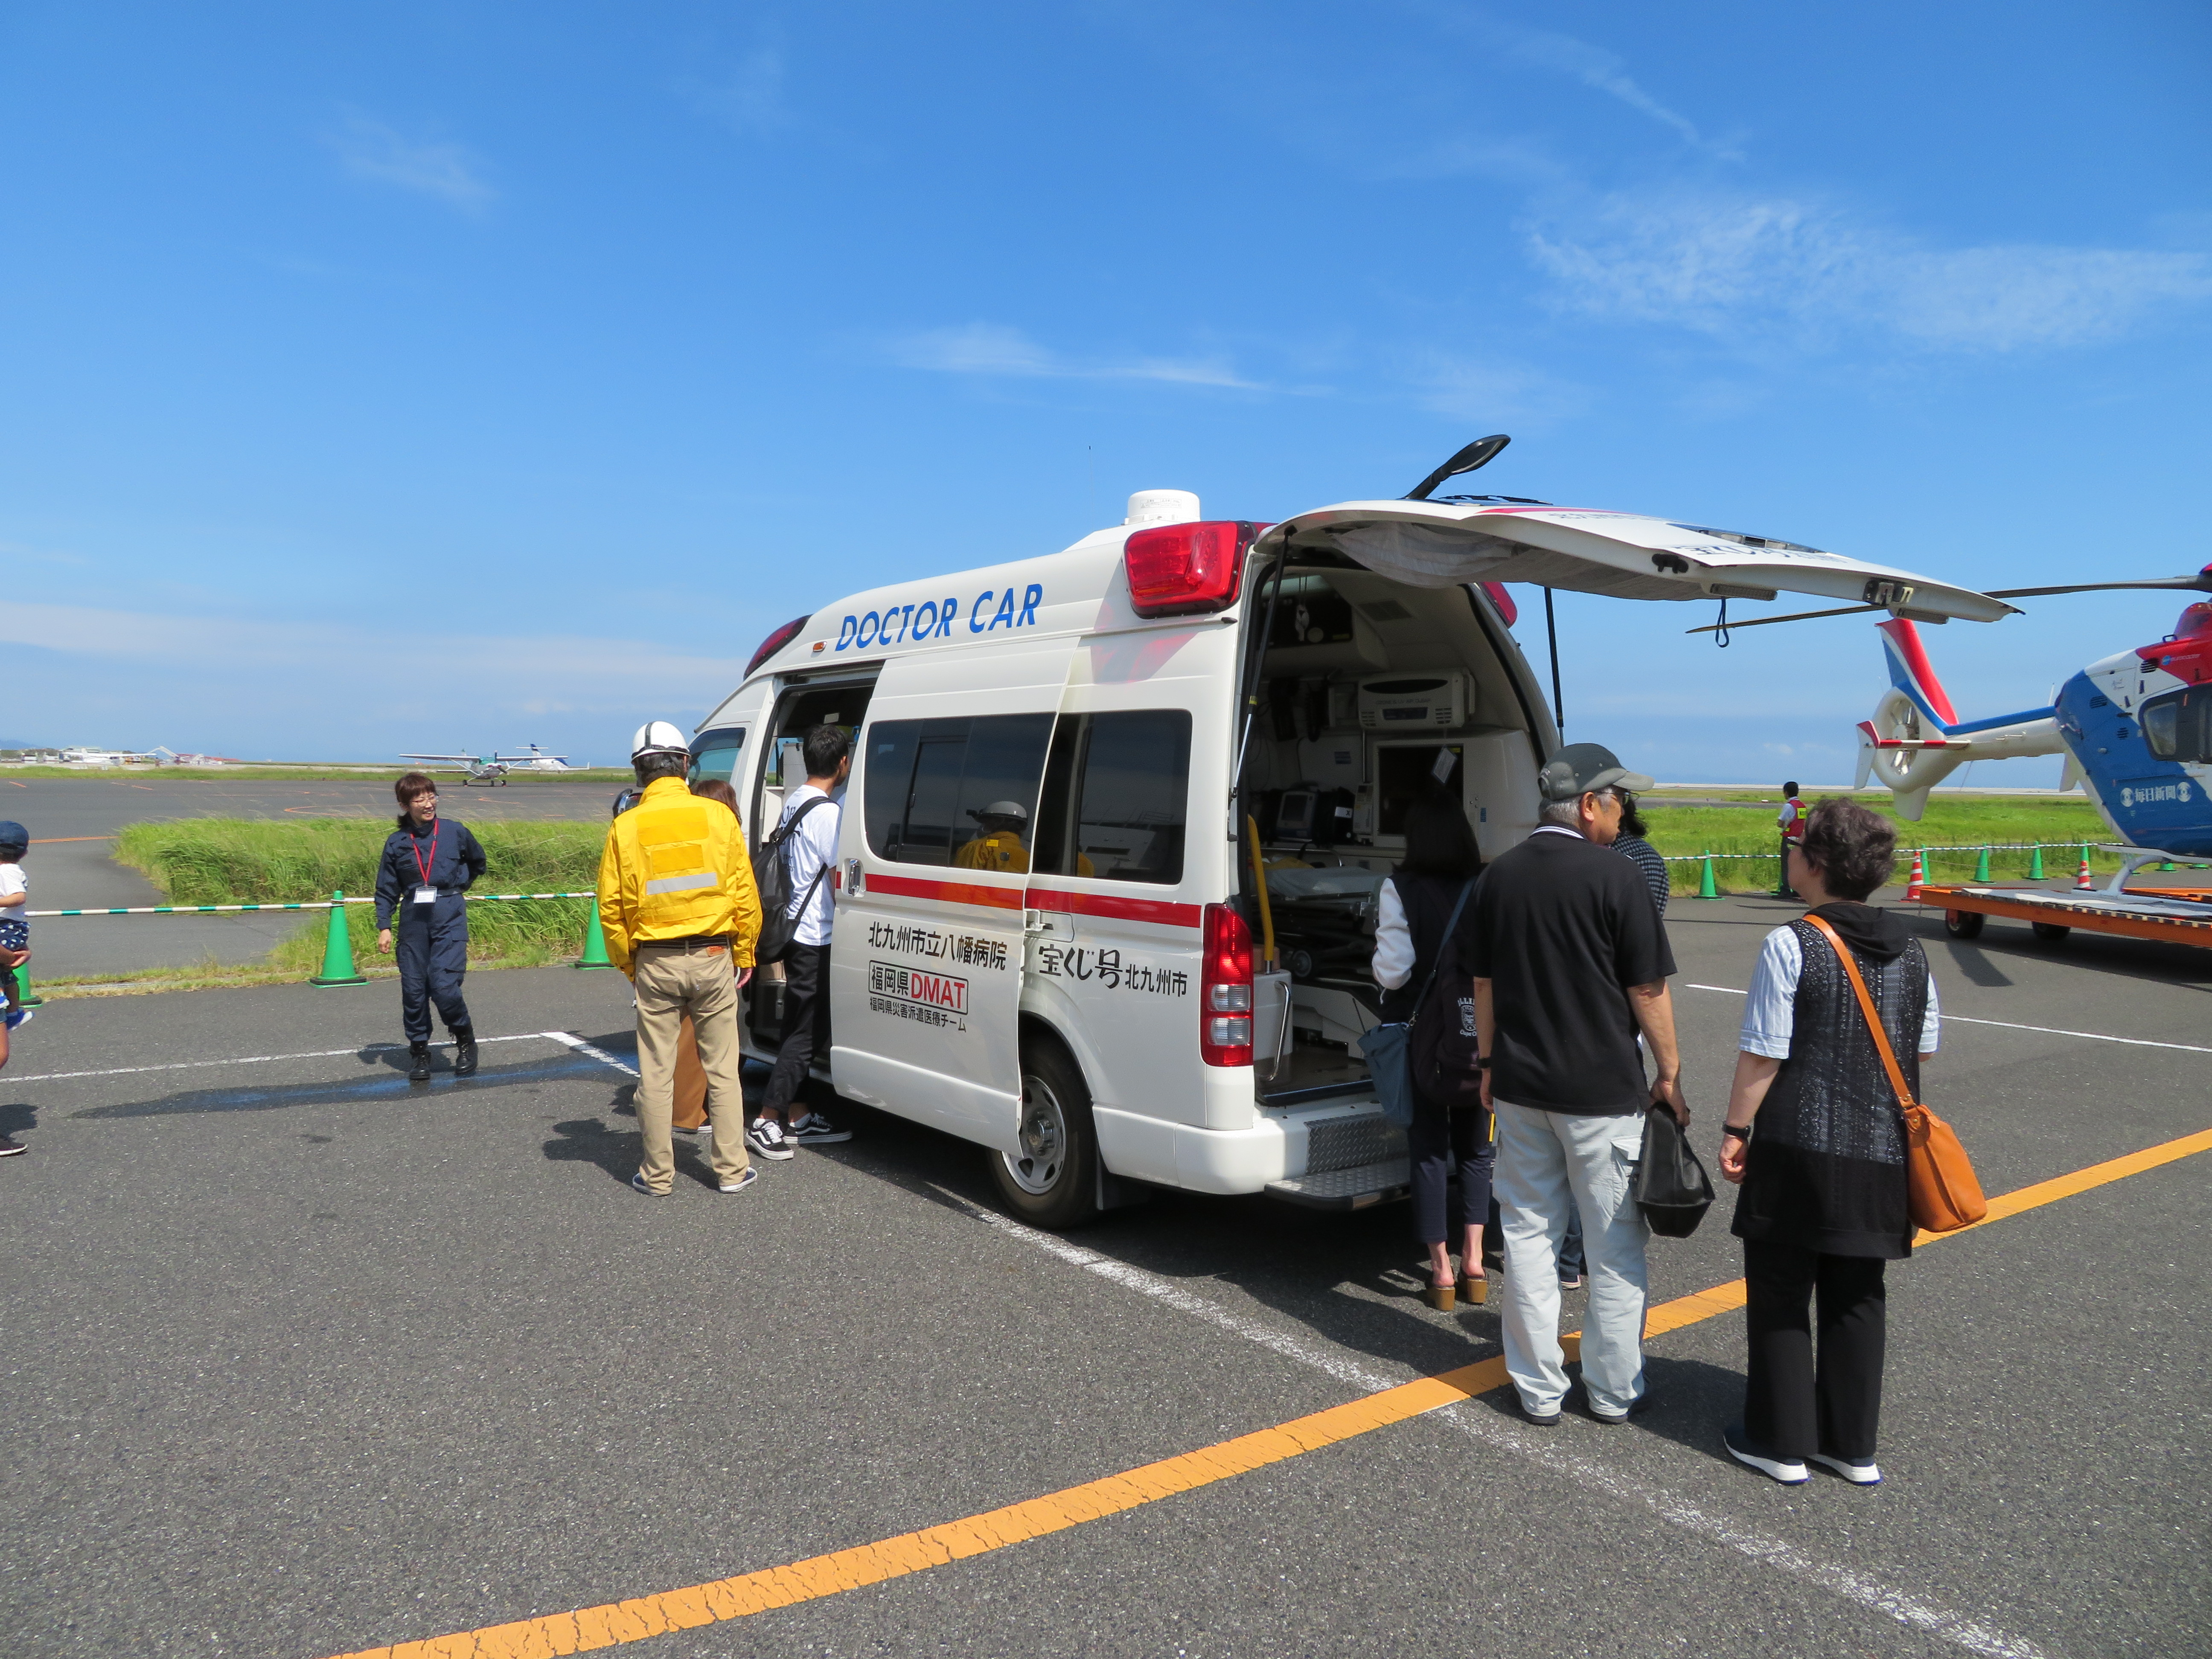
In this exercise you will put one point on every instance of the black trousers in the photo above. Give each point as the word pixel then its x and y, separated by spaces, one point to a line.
pixel 1441 1139
pixel 434 955
pixel 805 1022
pixel 1794 1405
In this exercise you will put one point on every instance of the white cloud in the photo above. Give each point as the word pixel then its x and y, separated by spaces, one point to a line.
pixel 994 349
pixel 452 172
pixel 1760 269
pixel 1604 71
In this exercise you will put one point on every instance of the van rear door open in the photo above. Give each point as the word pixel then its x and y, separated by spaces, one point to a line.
pixel 1628 555
pixel 926 956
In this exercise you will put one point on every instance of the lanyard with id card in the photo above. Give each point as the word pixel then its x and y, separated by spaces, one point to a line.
pixel 425 894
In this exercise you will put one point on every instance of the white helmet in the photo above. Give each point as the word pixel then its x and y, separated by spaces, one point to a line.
pixel 656 737
pixel 1002 809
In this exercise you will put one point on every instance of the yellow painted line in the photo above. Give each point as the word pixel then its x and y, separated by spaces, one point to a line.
pixel 933 1547
pixel 617 1623
pixel 2065 1186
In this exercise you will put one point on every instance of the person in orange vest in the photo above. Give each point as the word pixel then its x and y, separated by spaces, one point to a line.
pixel 1791 818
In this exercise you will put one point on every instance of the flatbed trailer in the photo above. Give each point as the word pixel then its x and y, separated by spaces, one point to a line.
pixel 2170 915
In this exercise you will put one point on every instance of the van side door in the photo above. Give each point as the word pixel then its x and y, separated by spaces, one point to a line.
pixel 926 962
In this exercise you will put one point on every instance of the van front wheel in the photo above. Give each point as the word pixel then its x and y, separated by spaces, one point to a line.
pixel 1051 1179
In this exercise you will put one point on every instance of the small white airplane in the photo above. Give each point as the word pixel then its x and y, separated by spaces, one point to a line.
pixel 492 768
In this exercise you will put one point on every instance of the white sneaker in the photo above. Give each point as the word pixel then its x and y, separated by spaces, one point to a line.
pixel 767 1137
pixel 1788 1470
pixel 1867 1473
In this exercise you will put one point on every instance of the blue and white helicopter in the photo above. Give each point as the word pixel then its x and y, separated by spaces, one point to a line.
pixel 2136 727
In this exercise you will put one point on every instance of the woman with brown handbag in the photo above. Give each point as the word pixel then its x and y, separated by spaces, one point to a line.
pixel 1824 1201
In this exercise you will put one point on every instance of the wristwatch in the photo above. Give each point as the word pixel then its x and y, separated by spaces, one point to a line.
pixel 1727 1129
pixel 1482 1062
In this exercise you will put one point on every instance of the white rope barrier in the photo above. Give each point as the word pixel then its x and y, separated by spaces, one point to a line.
pixel 305 904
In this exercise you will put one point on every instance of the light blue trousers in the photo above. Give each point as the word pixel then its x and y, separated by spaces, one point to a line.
pixel 1544 1159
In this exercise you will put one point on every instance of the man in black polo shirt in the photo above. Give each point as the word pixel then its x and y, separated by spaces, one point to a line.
pixel 1572 962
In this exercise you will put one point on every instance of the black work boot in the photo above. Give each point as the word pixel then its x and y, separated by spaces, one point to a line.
pixel 418 1069
pixel 465 1051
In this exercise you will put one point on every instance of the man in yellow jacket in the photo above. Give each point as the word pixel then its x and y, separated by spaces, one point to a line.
pixel 680 913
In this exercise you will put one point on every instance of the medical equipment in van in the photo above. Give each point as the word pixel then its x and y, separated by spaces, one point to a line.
pixel 1396 701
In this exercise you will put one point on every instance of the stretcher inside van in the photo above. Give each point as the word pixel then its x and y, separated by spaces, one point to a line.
pixel 1089 791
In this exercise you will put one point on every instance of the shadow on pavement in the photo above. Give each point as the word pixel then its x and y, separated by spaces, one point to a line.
pixel 394 1086
pixel 587 1140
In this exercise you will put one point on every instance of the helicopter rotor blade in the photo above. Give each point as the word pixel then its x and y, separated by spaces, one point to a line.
pixel 1480 454
pixel 2202 582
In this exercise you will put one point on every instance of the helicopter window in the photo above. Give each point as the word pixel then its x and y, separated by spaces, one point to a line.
pixel 2178 725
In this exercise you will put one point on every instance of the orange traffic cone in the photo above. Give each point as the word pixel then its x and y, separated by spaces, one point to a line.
pixel 2082 882
pixel 1912 885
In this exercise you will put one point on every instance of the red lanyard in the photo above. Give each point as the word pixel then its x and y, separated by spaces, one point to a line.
pixel 415 846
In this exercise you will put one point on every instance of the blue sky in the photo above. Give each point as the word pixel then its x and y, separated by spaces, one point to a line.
pixel 418 376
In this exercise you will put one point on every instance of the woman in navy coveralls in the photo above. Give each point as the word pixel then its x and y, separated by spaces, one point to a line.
pixel 427 864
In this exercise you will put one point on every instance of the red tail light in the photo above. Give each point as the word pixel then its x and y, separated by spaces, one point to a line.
pixel 775 642
pixel 1503 601
pixel 1225 989
pixel 1179 570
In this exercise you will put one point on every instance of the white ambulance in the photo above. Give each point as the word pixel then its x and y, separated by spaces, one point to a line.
pixel 1052 933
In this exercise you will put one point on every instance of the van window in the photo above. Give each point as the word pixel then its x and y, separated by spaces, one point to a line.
pixel 955 792
pixel 715 754
pixel 1115 797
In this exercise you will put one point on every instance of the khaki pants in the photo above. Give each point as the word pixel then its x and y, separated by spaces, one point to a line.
pixel 673 981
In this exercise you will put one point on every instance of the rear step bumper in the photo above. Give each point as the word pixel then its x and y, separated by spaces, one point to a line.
pixel 1355 1188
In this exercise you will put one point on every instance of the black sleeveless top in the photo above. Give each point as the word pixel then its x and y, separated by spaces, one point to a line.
pixel 1427 901
pixel 1825 1167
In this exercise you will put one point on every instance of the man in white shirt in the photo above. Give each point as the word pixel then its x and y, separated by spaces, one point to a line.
pixel 811 855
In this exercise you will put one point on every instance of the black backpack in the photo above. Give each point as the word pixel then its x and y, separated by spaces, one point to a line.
pixel 772 876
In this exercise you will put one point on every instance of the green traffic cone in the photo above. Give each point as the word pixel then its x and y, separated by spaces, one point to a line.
pixel 595 942
pixel 27 997
pixel 1707 887
pixel 337 950
pixel 2035 864
pixel 2168 864
pixel 1982 866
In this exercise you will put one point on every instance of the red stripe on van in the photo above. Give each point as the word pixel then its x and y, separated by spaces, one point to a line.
pixel 953 892
pixel 1115 906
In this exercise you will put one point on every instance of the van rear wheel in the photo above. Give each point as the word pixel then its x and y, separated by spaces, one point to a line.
pixel 1964 924
pixel 1051 1179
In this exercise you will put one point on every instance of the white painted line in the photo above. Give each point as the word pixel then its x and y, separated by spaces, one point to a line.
pixel 2014 1025
pixel 2094 1037
pixel 1494 1430
pixel 264 1059
pixel 599 1054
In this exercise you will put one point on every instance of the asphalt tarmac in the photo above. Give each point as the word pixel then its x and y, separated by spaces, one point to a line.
pixel 302 1360
pixel 73 822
